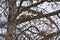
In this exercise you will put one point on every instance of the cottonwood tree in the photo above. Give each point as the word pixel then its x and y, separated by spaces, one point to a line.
pixel 28 22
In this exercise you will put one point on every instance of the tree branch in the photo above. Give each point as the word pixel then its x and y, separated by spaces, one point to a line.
pixel 49 36
pixel 25 8
pixel 53 22
pixel 24 19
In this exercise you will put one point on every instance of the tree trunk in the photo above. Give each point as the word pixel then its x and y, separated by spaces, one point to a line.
pixel 10 27
pixel 10 35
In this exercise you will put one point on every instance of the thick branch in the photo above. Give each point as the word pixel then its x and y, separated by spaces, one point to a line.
pixel 25 8
pixel 24 19
pixel 49 36
pixel 33 5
